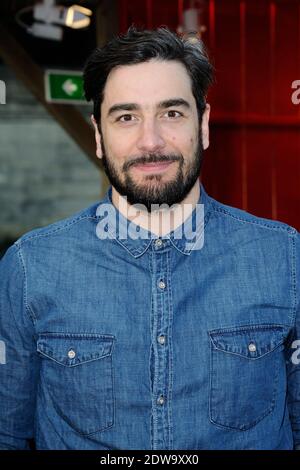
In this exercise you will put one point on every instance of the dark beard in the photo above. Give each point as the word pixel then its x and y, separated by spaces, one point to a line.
pixel 171 192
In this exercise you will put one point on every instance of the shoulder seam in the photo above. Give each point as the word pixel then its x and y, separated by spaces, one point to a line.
pixel 54 230
pixel 285 228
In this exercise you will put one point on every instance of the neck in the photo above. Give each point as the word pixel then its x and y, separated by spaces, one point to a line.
pixel 162 221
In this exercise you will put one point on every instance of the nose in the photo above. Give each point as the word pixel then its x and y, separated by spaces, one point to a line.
pixel 150 138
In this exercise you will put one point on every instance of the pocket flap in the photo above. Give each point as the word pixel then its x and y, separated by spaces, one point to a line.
pixel 249 341
pixel 74 349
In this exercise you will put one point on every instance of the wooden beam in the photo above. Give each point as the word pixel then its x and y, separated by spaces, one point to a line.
pixel 106 21
pixel 32 76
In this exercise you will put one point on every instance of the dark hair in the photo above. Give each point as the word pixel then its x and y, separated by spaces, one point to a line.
pixel 141 45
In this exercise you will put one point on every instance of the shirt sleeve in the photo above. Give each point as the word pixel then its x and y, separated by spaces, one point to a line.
pixel 18 358
pixel 293 369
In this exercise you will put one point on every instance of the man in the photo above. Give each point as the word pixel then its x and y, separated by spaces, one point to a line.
pixel 135 326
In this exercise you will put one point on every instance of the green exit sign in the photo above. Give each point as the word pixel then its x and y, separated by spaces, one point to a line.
pixel 64 86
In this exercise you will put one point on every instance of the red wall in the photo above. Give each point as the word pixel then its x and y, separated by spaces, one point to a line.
pixel 254 157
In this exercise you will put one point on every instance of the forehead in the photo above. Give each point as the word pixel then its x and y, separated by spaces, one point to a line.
pixel 147 83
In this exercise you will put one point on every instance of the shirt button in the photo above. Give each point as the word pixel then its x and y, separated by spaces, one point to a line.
pixel 161 285
pixel 252 347
pixel 161 400
pixel 161 339
pixel 71 354
pixel 158 243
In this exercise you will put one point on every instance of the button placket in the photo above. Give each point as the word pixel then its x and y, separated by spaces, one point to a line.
pixel 161 353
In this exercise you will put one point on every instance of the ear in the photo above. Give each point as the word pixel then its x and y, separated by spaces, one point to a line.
pixel 205 127
pixel 97 137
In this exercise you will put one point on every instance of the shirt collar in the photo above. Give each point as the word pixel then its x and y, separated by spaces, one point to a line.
pixel 187 237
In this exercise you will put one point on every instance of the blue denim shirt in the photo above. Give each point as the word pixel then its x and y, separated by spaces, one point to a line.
pixel 118 343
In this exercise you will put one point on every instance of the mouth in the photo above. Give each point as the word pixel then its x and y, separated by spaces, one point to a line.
pixel 153 167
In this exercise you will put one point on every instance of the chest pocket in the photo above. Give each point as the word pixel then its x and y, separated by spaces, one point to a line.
pixel 244 371
pixel 77 379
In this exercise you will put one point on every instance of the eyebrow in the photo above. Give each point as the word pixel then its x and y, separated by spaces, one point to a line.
pixel 174 102
pixel 161 105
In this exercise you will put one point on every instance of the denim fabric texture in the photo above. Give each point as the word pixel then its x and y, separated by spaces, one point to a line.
pixel 130 343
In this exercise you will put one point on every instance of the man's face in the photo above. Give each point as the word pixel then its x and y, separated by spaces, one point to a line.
pixel 150 139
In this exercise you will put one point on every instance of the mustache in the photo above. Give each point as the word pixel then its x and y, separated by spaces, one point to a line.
pixel 152 158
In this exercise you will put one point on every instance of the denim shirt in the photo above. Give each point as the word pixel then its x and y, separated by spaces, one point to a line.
pixel 115 343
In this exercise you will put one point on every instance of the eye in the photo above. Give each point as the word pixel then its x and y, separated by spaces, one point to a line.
pixel 174 114
pixel 125 118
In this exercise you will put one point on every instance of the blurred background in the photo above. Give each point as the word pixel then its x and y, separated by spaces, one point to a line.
pixel 48 167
